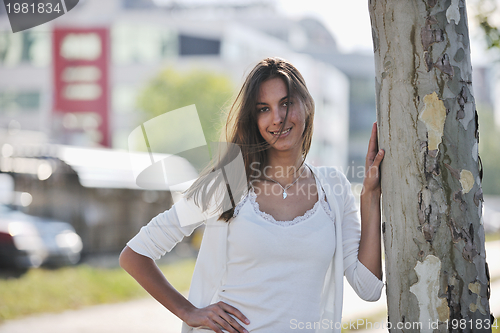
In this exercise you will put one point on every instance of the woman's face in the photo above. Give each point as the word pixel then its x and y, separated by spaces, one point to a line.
pixel 271 107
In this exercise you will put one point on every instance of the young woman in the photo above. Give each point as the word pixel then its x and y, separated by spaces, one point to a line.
pixel 275 261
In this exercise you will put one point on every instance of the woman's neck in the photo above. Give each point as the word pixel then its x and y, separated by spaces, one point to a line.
pixel 284 167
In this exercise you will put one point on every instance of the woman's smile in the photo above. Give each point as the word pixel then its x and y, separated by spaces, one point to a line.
pixel 283 134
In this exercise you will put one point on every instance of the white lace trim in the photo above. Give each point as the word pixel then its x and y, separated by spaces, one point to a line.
pixel 270 218
pixel 327 208
pixel 238 206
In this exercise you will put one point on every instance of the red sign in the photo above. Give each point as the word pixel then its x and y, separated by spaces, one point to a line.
pixel 81 61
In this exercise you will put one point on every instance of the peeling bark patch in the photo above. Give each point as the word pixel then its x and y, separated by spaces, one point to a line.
pixel 466 112
pixel 478 196
pixel 375 40
pixel 455 232
pixel 476 289
pixel 475 151
pixel 467 180
pixel 428 61
pixel 469 251
pixel 462 98
pixel 388 66
pixel 457 196
pixel 431 3
pixel 453 296
pixel 453 12
pixel 462 30
pixel 468 115
pixel 429 231
pixel 477 306
pixel 433 153
pixel 432 308
pixel 443 64
pixel 459 56
pixel 431 205
pixel 433 116
pixel 429 36
pixel 454 84
pixel 421 209
pixel 432 163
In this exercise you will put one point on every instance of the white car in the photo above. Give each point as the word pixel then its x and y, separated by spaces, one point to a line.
pixel 30 241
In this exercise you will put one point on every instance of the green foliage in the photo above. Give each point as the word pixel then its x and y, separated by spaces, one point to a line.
pixel 489 151
pixel 172 89
pixel 495 327
pixel 42 290
pixel 491 237
pixel 485 9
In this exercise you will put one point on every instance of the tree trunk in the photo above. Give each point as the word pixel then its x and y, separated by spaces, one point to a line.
pixel 436 272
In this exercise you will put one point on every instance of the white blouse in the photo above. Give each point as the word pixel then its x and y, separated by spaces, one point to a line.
pixel 276 269
pixel 222 266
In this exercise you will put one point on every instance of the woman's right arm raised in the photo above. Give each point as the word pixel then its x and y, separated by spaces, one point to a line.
pixel 215 316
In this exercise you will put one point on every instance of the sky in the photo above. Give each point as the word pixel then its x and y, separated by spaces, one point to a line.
pixel 349 22
pixel 335 14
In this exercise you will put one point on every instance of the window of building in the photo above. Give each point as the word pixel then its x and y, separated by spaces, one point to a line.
pixel 138 4
pixel 26 47
pixel 11 102
pixel 190 45
pixel 136 44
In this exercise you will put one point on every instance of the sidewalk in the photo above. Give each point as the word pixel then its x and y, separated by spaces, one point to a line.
pixel 148 316
pixel 141 316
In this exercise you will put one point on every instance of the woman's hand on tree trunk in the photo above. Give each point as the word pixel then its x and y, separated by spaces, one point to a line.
pixel 374 157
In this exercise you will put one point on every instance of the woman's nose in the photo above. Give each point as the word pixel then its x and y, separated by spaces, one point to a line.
pixel 278 115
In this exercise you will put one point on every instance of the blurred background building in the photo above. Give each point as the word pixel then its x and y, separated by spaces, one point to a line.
pixel 75 81
pixel 141 39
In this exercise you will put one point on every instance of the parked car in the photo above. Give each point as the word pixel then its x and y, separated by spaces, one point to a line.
pixel 30 241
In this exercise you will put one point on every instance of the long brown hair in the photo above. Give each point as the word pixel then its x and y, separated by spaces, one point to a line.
pixel 241 130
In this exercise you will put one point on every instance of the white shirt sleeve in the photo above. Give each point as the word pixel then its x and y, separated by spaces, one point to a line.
pixel 362 280
pixel 165 230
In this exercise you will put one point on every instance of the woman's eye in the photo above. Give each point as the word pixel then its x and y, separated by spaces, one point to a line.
pixel 287 103
pixel 263 109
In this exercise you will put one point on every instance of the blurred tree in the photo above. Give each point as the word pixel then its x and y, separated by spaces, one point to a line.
pixel 485 9
pixel 489 145
pixel 489 150
pixel 172 89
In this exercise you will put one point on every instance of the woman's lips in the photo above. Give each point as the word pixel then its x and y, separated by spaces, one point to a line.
pixel 283 134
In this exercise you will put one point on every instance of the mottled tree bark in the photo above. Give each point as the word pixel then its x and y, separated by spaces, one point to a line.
pixel 436 272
